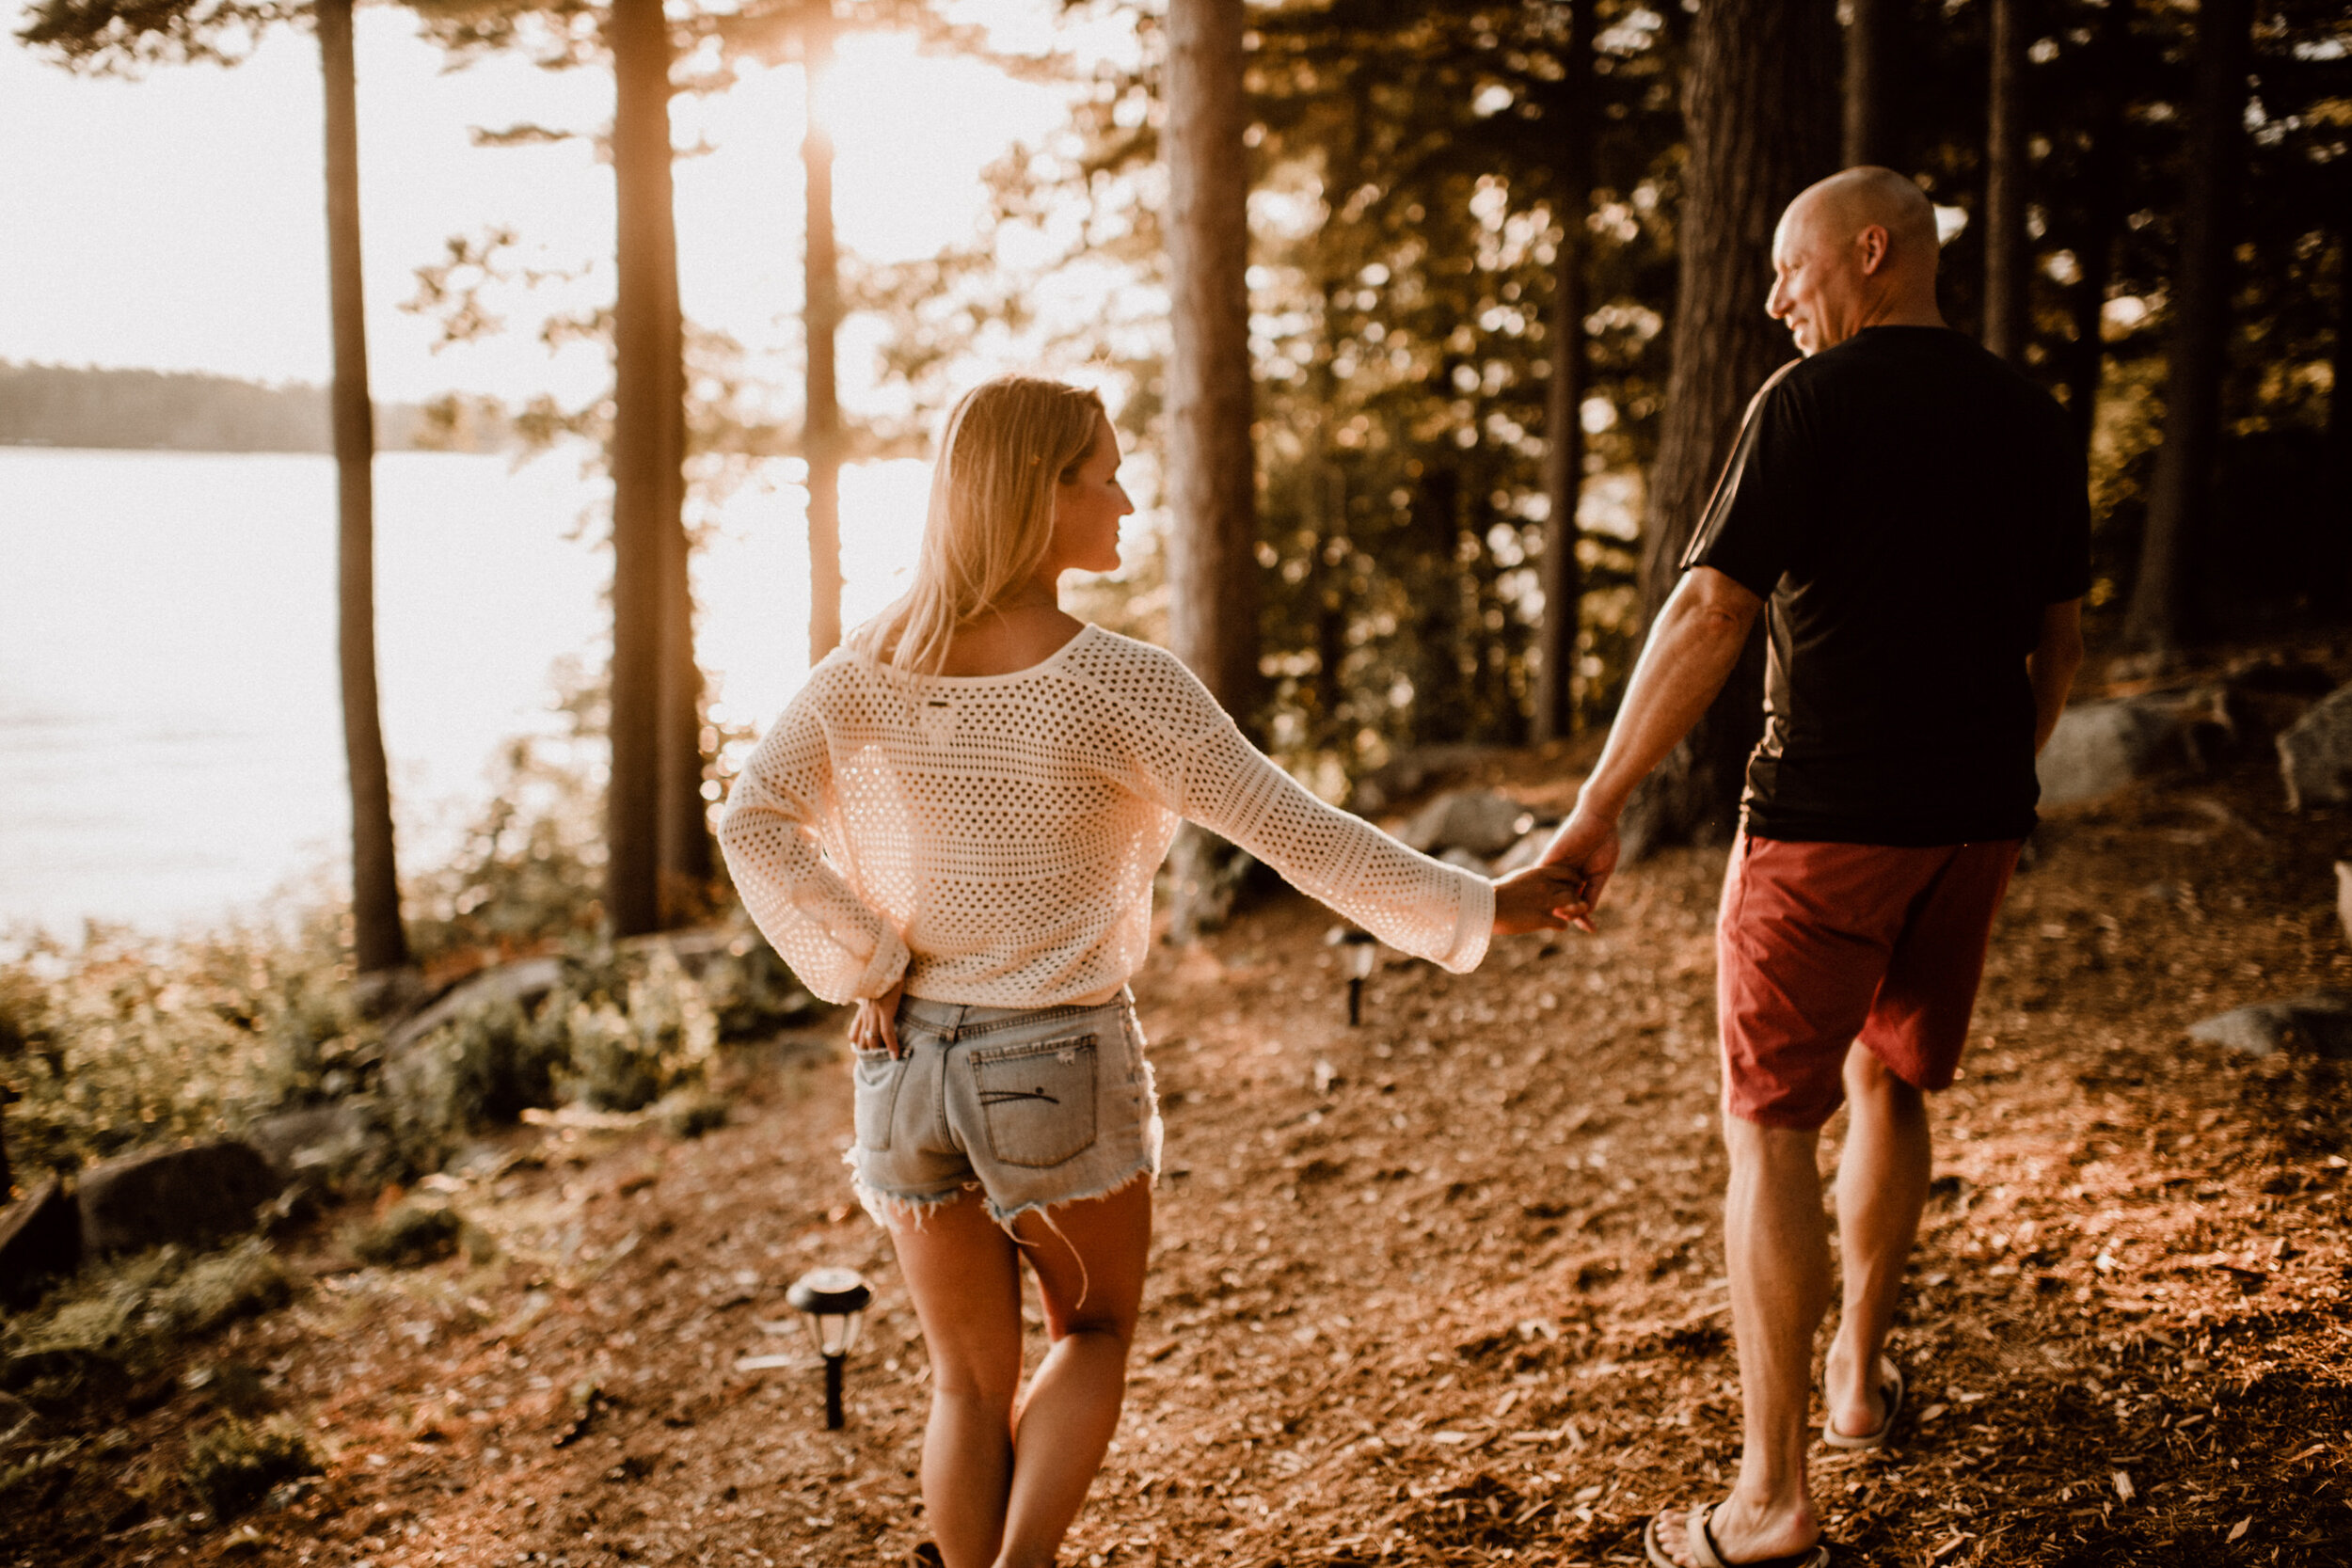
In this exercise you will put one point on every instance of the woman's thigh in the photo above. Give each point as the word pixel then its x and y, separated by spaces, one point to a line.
pixel 1089 1258
pixel 964 1275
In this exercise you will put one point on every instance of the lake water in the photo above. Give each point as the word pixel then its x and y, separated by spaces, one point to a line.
pixel 170 734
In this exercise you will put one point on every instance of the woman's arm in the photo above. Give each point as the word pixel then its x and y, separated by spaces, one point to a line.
pixel 840 948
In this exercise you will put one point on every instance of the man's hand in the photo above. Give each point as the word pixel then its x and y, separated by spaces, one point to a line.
pixel 876 1025
pixel 1539 899
pixel 1586 847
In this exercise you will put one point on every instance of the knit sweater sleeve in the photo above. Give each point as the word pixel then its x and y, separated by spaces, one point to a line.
pixel 838 946
pixel 1213 776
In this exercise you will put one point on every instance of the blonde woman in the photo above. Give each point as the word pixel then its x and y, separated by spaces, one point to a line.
pixel 955 826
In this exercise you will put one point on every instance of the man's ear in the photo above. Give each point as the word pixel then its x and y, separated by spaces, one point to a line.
pixel 1873 244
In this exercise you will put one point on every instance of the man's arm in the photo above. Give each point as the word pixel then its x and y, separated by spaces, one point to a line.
pixel 1690 654
pixel 2052 665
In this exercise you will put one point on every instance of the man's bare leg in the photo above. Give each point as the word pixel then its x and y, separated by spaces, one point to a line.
pixel 1882 1188
pixel 1776 1244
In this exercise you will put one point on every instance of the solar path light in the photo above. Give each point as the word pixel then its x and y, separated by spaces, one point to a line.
pixel 1358 950
pixel 834 1301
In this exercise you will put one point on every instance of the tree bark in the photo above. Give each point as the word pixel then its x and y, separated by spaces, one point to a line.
pixel 1212 470
pixel 2006 324
pixel 644 442
pixel 2180 496
pixel 1760 112
pixel 1564 399
pixel 686 849
pixel 378 942
pixel 2102 209
pixel 820 439
pixel 1869 99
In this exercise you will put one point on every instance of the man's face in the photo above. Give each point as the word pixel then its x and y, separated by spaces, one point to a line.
pixel 1817 282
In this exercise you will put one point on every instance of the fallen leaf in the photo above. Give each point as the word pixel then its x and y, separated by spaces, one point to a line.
pixel 2123 1485
pixel 2239 1530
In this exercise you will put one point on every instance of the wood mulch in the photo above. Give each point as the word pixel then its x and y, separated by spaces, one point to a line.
pixel 1444 1288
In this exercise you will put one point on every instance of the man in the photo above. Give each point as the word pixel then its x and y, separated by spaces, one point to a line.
pixel 1915 513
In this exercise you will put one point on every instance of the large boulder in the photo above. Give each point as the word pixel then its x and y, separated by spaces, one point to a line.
pixel 2320 1023
pixel 2315 754
pixel 187 1196
pixel 40 1238
pixel 313 1146
pixel 523 983
pixel 2100 747
pixel 1409 772
pixel 1479 821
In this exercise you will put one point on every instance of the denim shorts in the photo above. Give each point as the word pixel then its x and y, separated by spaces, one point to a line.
pixel 1029 1106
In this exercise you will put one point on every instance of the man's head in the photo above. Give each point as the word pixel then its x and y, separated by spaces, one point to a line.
pixel 1855 250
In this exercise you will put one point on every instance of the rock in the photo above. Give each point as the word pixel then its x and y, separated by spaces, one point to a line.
pixel 1528 850
pixel 40 1238
pixel 184 1195
pixel 314 1144
pixel 1411 771
pixel 2320 1021
pixel 1478 820
pixel 2344 896
pixel 2315 754
pixel 1475 864
pixel 522 982
pixel 389 993
pixel 2100 747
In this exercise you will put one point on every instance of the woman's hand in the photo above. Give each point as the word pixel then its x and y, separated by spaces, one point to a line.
pixel 1540 898
pixel 876 1025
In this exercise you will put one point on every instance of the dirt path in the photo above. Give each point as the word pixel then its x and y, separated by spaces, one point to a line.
pixel 1443 1289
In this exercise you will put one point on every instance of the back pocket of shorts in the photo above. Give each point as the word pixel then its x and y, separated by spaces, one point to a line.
pixel 1037 1100
pixel 876 1099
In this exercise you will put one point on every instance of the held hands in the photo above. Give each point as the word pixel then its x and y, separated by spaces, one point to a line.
pixel 1586 848
pixel 1539 899
pixel 876 1025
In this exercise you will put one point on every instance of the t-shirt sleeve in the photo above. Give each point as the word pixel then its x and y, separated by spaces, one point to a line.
pixel 1757 520
pixel 2066 575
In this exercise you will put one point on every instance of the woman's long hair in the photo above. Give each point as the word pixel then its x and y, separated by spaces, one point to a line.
pixel 1006 443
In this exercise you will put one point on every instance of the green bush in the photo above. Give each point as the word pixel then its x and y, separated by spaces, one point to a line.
pixel 231 1466
pixel 410 1234
pixel 129 1317
pixel 639 1028
pixel 485 1068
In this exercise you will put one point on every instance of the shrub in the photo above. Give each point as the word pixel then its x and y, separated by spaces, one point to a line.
pixel 130 1316
pixel 410 1234
pixel 231 1466
pixel 629 1049
pixel 486 1066
pixel 690 1113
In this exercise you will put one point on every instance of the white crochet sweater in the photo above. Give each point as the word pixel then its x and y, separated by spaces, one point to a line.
pixel 992 839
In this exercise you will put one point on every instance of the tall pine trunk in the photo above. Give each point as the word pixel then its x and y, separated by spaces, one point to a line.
pixel 1212 472
pixel 645 333
pixel 2006 324
pixel 820 321
pixel 2084 364
pixel 1759 104
pixel 1870 129
pixel 379 944
pixel 685 849
pixel 2181 494
pixel 1564 399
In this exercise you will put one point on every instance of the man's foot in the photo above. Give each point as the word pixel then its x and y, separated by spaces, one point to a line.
pixel 1867 1433
pixel 1696 1538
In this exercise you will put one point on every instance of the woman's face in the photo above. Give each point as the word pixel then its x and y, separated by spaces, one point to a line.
pixel 1088 507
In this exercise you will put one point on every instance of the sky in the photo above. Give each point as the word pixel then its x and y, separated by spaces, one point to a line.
pixel 176 222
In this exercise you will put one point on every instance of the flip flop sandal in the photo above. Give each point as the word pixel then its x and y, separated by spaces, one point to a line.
pixel 1891 1394
pixel 1707 1554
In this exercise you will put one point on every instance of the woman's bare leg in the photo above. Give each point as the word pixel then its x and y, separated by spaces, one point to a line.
pixel 1089 1263
pixel 964 1275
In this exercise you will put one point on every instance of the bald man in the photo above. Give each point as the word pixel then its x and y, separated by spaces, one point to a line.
pixel 1913 513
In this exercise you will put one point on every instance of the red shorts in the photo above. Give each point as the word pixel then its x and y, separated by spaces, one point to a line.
pixel 1820 945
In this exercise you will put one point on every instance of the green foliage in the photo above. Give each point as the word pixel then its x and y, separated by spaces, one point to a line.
pixel 126 37
pixel 486 1066
pixel 232 1466
pixel 408 1234
pixel 638 1030
pixel 131 1316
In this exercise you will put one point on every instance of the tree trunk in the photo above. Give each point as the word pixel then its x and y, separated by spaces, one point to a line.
pixel 1212 472
pixel 2180 496
pixel 1760 113
pixel 1564 400
pixel 2101 177
pixel 821 440
pixel 378 943
pixel 2006 324
pixel 644 383
pixel 1869 97
pixel 685 849
pixel 2339 455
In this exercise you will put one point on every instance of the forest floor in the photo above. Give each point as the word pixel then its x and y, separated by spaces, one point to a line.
pixel 1447 1288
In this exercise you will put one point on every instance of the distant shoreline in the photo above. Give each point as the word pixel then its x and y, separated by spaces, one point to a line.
pixel 79 408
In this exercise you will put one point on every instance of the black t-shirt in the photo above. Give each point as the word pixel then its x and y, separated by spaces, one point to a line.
pixel 1909 504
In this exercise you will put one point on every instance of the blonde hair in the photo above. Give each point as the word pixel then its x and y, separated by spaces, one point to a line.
pixel 1006 443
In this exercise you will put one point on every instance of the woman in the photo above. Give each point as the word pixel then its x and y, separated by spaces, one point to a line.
pixel 955 825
